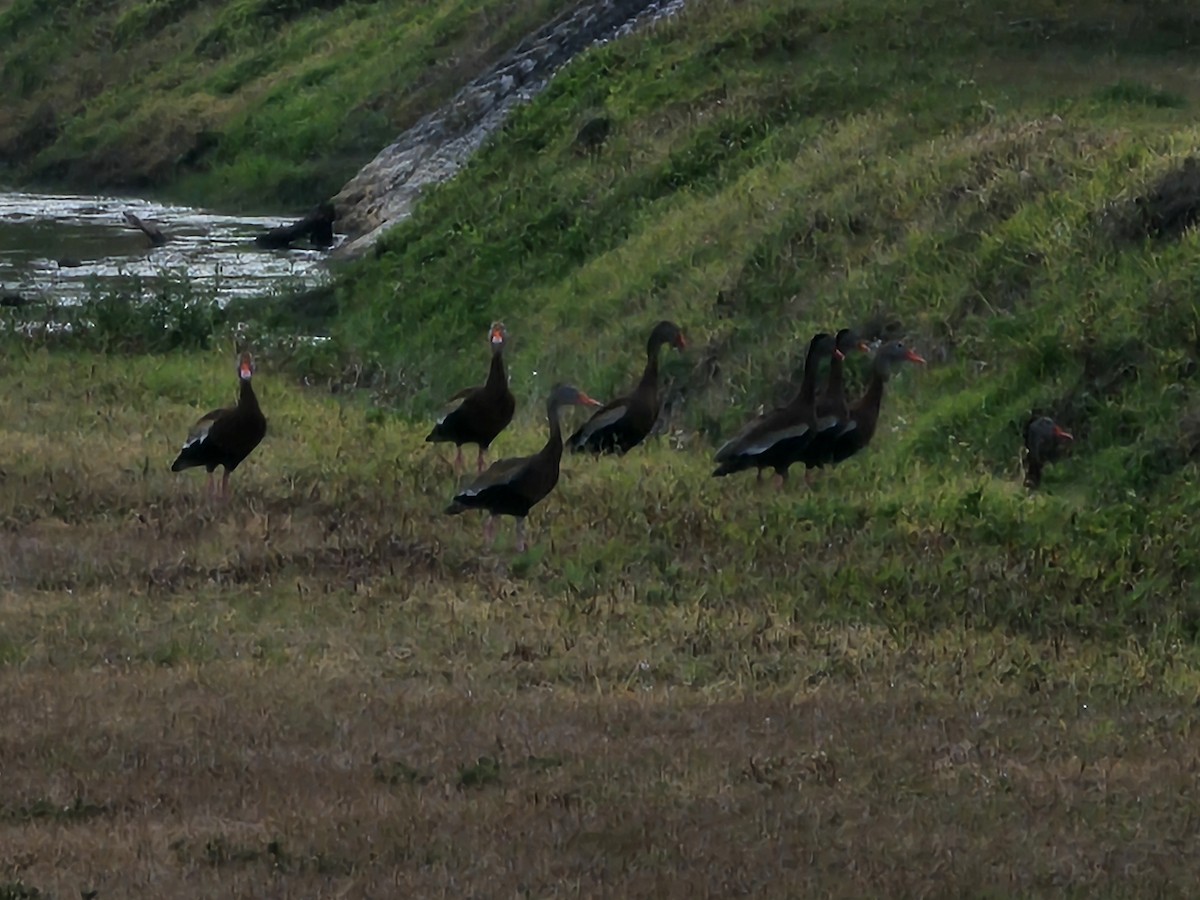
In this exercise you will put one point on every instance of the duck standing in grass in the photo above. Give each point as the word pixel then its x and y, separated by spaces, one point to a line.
pixel 225 437
pixel 864 415
pixel 621 425
pixel 482 412
pixel 512 487
pixel 833 410
pixel 777 438
pixel 1045 442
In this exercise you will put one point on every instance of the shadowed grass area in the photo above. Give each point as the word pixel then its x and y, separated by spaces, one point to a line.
pixel 879 684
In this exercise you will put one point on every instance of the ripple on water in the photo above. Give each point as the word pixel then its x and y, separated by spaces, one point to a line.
pixel 60 247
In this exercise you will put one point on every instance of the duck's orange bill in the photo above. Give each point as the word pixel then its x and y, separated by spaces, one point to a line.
pixel 588 401
pixel 913 357
pixel 681 343
pixel 838 354
pixel 1065 435
pixel 244 370
pixel 864 347
pixel 497 336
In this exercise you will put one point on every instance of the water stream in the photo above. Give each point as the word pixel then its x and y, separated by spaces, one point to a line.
pixel 58 248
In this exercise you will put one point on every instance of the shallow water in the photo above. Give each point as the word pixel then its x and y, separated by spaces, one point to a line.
pixel 59 247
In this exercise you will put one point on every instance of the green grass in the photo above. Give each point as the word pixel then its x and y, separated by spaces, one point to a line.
pixel 234 104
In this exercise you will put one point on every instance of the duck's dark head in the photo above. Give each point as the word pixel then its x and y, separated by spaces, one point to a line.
pixel 245 367
pixel 1043 432
pixel 822 344
pixel 665 332
pixel 497 335
pixel 892 354
pixel 847 341
pixel 568 395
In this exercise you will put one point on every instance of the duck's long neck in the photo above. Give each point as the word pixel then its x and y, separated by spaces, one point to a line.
pixel 554 443
pixel 247 399
pixel 808 384
pixel 835 387
pixel 650 373
pixel 866 414
pixel 497 377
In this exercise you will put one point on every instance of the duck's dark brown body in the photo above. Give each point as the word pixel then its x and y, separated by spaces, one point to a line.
pixel 483 412
pixel 833 409
pixel 864 415
pixel 777 439
pixel 512 487
pixel 1045 443
pixel 225 437
pixel 624 423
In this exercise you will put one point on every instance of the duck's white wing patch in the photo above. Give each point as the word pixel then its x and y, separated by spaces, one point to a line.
pixel 769 440
pixel 828 422
pixel 733 446
pixel 500 472
pixel 200 431
pixel 602 419
pixel 454 402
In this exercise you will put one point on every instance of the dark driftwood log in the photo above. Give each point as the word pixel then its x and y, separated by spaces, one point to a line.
pixel 14 301
pixel 157 238
pixel 317 225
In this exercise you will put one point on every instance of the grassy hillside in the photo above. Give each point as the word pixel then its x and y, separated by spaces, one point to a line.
pixel 965 176
pixel 232 104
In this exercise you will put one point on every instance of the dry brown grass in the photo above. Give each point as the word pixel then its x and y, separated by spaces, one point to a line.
pixel 323 690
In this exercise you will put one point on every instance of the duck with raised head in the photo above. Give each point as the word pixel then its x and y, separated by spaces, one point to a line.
pixel 482 411
pixel 225 437
pixel 621 425
pixel 833 409
pixel 864 415
pixel 512 487
pixel 776 438
pixel 1045 442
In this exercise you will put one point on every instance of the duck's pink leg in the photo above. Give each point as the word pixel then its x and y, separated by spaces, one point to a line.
pixel 225 486
pixel 520 535
pixel 479 464
pixel 458 462
pixel 779 481
pixel 489 531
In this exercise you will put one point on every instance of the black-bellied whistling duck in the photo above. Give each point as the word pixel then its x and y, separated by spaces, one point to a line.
pixel 776 438
pixel 225 437
pixel 621 425
pixel 833 410
pixel 483 412
pixel 1044 444
pixel 864 415
pixel 512 487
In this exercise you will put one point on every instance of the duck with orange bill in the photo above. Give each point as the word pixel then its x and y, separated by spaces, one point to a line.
pixel 512 487
pixel 481 412
pixel 225 437
pixel 1045 442
pixel 621 425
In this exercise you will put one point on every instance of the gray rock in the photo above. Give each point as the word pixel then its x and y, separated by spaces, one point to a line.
pixel 385 190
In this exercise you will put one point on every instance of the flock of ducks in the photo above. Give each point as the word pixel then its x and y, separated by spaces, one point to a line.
pixel 815 428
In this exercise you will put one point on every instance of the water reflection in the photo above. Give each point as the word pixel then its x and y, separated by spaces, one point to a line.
pixel 59 247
